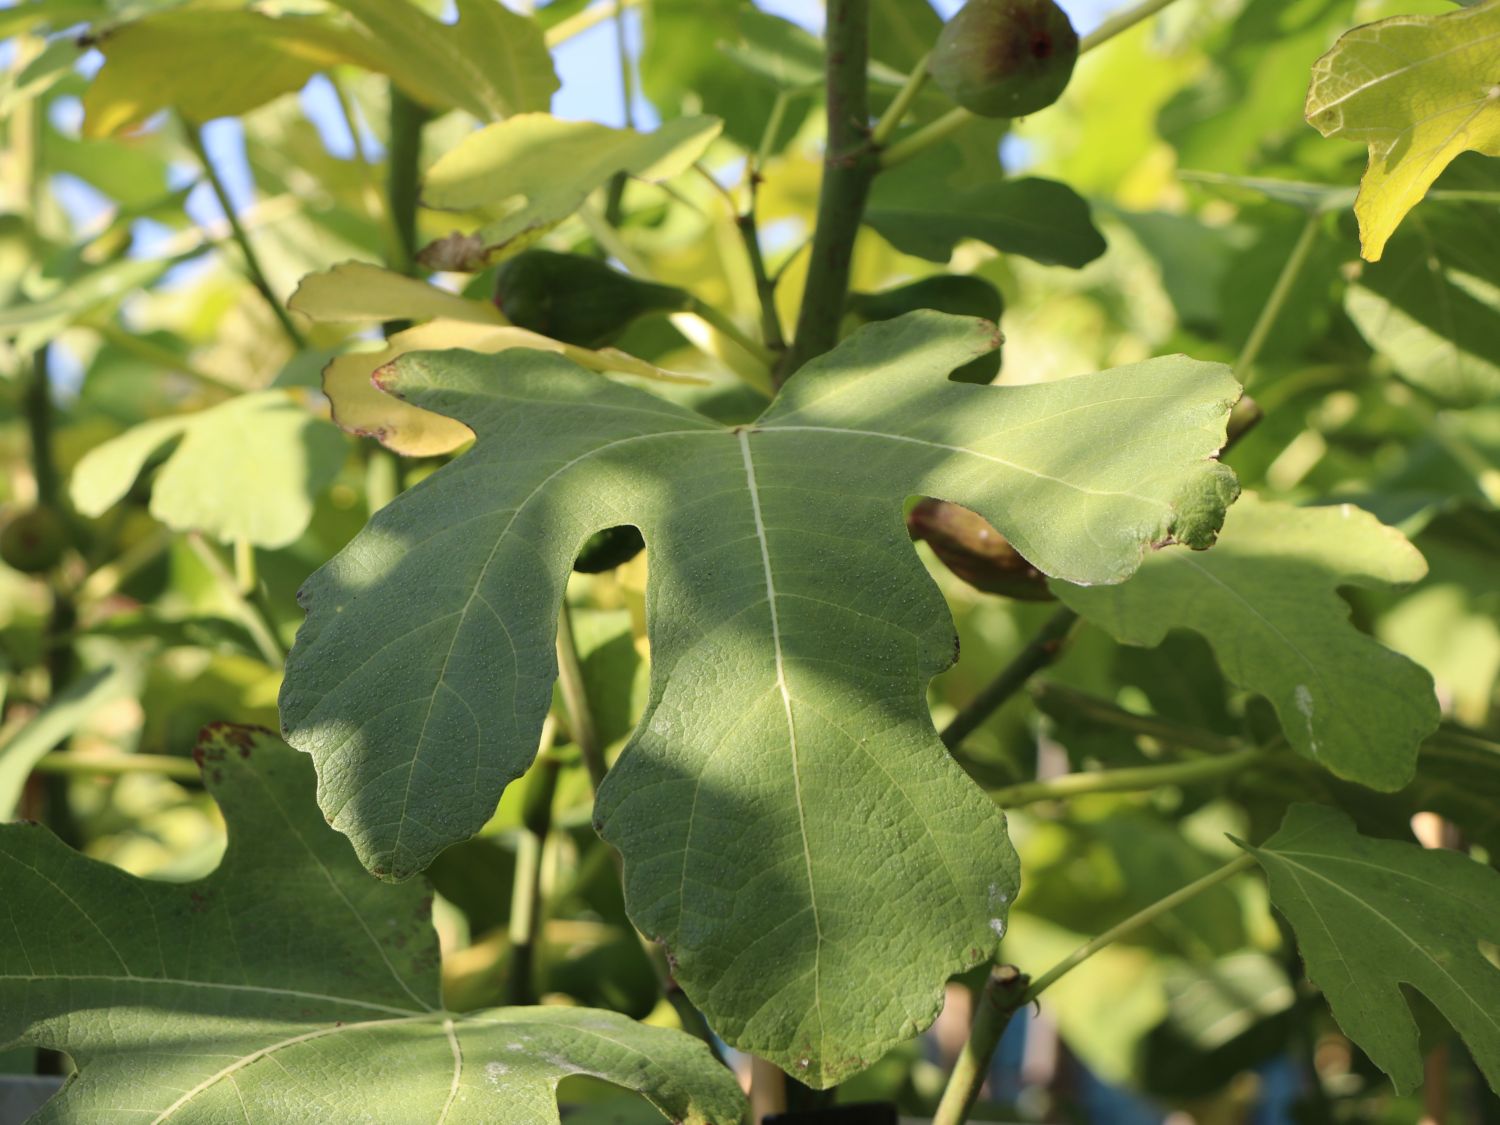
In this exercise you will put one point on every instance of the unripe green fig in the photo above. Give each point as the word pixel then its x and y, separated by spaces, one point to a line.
pixel 575 299
pixel 1005 58
pixel 607 549
pixel 33 540
pixel 960 294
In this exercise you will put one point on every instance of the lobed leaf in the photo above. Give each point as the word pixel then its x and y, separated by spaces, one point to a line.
pixel 248 469
pixel 288 985
pixel 360 407
pixel 792 828
pixel 1417 90
pixel 358 292
pixel 1373 915
pixel 1266 600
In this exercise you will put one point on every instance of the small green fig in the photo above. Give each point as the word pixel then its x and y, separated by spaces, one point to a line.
pixel 33 540
pixel 960 294
pixel 1005 58
pixel 575 299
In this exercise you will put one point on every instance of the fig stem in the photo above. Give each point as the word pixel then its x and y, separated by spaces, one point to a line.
pixel 1008 991
pixel 576 709
pixel 849 164
pixel 902 104
pixel 1042 650
pixel 1132 779
pixel 1291 269
pixel 590 17
pixel 253 269
pixel 936 132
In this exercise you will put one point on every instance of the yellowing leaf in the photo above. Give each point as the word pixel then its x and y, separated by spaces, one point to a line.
pixel 1418 90
pixel 360 407
pixel 357 292
pixel 552 166
pixel 177 60
pixel 491 63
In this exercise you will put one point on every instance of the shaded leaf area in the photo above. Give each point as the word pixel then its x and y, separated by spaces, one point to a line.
pixel 491 63
pixel 785 773
pixel 1039 219
pixel 1266 600
pixel 549 166
pixel 1373 915
pixel 1224 1016
pixel 1417 90
pixel 288 985
pixel 1431 305
pixel 1090 873
pixel 248 469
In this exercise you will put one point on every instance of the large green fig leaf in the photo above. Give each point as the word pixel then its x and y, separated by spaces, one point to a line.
pixel 287 986
pixel 1417 90
pixel 1373 915
pixel 1266 599
pixel 792 828
pixel 246 469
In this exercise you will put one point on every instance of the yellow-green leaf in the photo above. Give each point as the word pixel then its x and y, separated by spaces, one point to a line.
pixel 177 60
pixel 552 165
pixel 362 408
pixel 357 292
pixel 1418 90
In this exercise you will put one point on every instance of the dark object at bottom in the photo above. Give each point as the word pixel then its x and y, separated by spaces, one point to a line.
pixel 866 1113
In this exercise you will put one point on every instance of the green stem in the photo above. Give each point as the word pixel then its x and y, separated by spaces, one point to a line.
pixel 1007 992
pixel 526 892
pixel 1291 269
pixel 1130 780
pixel 253 269
pixel 933 133
pixel 576 701
pixel 998 1001
pixel 1135 922
pixel 403 165
pixel 253 612
pixel 938 131
pixel 40 422
pixel 727 327
pixel 765 288
pixel 1042 650
pixel 67 764
pixel 849 166
pixel 614 196
pixel 898 109
pixel 1120 22
pixel 1093 709
pixel 584 20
